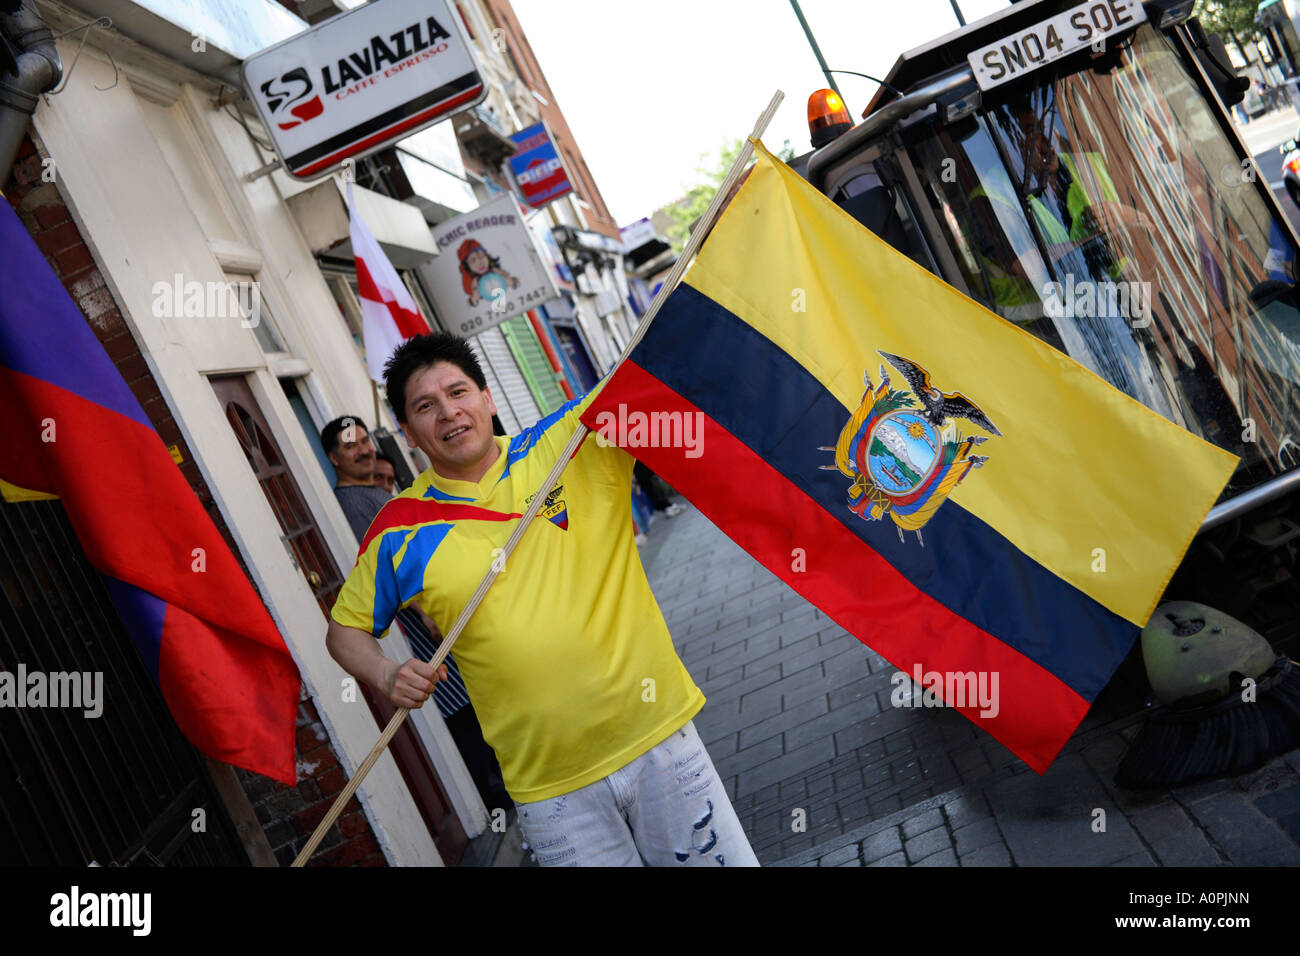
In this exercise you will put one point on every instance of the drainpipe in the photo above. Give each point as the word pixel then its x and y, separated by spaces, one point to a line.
pixel 39 70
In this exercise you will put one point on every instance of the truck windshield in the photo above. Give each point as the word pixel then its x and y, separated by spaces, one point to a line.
pixel 1105 211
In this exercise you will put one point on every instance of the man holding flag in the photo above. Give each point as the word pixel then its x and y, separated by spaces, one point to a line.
pixel 964 497
pixel 568 660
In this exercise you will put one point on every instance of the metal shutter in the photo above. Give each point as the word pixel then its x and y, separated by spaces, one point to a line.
pixel 514 390
pixel 533 362
pixel 508 421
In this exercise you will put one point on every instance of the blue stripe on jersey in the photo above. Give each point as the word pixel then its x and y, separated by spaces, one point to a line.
pixel 523 443
pixel 437 495
pixel 386 600
pixel 419 551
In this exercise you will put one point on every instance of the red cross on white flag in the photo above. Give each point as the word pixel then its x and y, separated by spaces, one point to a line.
pixel 388 313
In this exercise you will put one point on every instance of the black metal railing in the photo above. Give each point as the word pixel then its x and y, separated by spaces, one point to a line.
pixel 122 787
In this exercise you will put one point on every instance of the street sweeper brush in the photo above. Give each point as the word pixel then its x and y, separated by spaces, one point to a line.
pixel 1228 704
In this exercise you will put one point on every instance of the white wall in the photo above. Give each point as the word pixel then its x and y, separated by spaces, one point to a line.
pixel 147 219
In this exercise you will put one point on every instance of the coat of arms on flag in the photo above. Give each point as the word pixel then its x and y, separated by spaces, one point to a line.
pixel 902 449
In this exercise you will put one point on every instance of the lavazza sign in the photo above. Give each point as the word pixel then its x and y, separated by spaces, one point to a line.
pixel 360 81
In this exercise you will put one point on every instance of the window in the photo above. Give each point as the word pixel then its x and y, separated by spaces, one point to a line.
pixel 1103 211
pixel 246 292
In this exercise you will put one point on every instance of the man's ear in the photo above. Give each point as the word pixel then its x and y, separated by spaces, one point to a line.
pixel 492 406
pixel 410 441
pixel 333 457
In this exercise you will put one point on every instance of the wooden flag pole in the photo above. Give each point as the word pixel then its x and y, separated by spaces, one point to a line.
pixel 498 564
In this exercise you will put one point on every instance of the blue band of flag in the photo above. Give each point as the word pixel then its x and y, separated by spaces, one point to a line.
pixel 730 370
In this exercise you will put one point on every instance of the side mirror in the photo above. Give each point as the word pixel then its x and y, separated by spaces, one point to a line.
pixel 1272 290
pixel 1213 54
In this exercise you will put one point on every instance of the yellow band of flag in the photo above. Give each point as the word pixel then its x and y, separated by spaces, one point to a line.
pixel 14 494
pixel 1088 482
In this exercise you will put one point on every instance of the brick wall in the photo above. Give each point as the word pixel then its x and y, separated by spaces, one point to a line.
pixel 287 814
pixel 598 216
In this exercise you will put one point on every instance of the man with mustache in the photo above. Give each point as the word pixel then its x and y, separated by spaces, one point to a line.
pixel 346 441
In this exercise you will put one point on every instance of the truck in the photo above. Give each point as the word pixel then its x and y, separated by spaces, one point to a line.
pixel 1074 168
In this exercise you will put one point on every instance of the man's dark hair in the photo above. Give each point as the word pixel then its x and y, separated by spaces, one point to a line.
pixel 329 435
pixel 397 475
pixel 419 353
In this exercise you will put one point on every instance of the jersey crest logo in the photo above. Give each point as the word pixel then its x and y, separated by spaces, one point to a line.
pixel 901 449
pixel 553 508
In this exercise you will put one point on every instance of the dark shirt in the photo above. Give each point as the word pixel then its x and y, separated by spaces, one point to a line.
pixel 360 505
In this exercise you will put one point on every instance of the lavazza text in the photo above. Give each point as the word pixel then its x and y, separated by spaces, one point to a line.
pixel 371 58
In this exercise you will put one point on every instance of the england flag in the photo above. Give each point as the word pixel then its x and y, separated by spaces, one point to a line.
pixel 388 313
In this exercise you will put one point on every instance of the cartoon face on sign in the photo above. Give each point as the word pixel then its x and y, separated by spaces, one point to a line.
pixel 481 274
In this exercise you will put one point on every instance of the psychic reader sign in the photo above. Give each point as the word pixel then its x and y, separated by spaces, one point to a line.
pixel 487 269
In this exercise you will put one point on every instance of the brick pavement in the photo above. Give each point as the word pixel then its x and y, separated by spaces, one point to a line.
pixel 800 726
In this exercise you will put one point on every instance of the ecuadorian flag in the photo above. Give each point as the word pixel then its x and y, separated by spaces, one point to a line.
pixel 957 494
pixel 75 430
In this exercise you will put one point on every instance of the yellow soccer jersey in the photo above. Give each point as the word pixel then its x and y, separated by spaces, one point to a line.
pixel 568 660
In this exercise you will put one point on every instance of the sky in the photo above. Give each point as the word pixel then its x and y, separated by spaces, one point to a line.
pixel 647 87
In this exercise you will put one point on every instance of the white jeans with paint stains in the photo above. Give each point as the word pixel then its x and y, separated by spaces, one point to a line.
pixel 666 808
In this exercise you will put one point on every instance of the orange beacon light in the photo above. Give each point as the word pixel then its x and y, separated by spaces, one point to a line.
pixel 828 117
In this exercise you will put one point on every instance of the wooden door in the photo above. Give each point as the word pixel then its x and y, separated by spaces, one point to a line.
pixel 299 531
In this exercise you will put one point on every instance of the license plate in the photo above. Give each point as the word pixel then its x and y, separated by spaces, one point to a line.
pixel 1088 24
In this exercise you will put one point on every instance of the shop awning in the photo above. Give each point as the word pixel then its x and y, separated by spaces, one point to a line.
pixel 586 239
pixel 321 211
pixel 437 193
pixel 646 251
pixel 231 32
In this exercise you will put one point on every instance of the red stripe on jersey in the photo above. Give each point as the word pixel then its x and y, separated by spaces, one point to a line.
pixel 401 512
